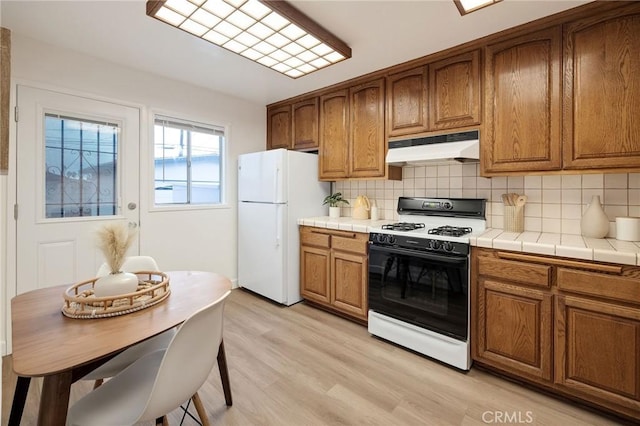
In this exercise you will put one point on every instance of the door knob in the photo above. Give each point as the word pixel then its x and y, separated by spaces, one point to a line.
pixel 132 206
pixel 133 225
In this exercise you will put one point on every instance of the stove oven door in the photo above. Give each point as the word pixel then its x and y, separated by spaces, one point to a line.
pixel 425 289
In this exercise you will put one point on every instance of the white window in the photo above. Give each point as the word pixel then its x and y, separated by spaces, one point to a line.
pixel 188 162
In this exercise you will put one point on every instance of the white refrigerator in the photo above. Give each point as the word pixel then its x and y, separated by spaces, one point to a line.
pixel 275 188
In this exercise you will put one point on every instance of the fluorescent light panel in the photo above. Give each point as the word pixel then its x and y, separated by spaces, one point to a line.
pixel 468 6
pixel 270 32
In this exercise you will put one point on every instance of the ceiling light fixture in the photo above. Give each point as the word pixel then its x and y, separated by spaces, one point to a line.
pixel 270 32
pixel 468 6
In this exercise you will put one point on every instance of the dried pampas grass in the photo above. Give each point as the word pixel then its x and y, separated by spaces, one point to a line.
pixel 114 240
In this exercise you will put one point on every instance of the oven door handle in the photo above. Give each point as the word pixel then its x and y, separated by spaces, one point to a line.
pixel 452 260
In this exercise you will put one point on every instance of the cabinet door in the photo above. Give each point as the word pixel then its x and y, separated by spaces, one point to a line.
pixel 334 135
pixel 368 137
pixel 602 91
pixel 279 127
pixel 598 350
pixel 407 102
pixel 454 85
pixel 305 124
pixel 514 329
pixel 522 125
pixel 314 273
pixel 349 283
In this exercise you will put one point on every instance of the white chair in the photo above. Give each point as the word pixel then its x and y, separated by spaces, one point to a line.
pixel 158 382
pixel 127 357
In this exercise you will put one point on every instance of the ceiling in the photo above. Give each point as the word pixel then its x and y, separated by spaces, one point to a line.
pixel 380 34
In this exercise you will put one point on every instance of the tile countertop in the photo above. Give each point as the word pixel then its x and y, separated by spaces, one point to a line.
pixel 565 245
pixel 343 223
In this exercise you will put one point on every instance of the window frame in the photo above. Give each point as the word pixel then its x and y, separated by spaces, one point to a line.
pixel 196 121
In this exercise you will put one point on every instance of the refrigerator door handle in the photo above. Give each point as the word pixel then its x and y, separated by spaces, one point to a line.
pixel 278 227
pixel 276 180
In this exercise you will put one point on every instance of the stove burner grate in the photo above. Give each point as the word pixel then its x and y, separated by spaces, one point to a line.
pixel 450 231
pixel 403 226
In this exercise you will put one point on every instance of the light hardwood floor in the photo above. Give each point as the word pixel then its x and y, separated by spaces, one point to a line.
pixel 303 366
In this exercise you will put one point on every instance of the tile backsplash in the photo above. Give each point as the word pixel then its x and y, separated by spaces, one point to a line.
pixel 555 203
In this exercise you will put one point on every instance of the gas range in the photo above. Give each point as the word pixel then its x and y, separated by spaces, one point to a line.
pixel 418 277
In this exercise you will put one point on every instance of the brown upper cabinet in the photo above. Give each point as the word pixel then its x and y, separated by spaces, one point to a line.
pixel 334 135
pixel 367 147
pixel 353 142
pixel 602 90
pixel 293 126
pixel 438 96
pixel 304 124
pixel 279 127
pixel 454 91
pixel 522 103
pixel 407 102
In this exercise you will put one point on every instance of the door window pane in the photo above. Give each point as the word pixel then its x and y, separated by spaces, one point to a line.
pixel 80 167
pixel 188 162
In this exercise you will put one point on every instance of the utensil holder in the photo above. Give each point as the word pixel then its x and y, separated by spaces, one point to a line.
pixel 514 218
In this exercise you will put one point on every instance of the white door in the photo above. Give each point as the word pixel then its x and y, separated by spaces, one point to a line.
pixel 77 169
pixel 261 176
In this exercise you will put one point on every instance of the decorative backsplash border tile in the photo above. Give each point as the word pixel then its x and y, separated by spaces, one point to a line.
pixel 555 203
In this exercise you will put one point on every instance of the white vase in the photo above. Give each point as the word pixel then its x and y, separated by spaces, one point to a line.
pixel 334 211
pixel 594 222
pixel 115 284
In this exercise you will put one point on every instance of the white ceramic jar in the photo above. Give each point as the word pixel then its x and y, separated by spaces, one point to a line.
pixel 628 228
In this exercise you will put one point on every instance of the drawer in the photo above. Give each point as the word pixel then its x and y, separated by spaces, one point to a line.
pixel 355 245
pixel 509 270
pixel 625 289
pixel 315 239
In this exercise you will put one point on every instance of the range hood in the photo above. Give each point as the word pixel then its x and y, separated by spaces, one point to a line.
pixel 451 148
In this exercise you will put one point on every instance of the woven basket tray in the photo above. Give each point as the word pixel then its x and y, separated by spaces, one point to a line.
pixel 80 302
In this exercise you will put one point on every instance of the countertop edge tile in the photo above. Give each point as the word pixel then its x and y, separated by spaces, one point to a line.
pixel 345 226
pixel 625 258
pixel 484 242
pixel 574 252
pixel 507 245
pixel 357 227
pixel 539 248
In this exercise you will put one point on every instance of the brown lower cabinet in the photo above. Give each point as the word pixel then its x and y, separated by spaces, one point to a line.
pixel 333 270
pixel 568 326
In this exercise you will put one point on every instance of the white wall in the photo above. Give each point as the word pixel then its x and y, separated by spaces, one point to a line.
pixel 179 239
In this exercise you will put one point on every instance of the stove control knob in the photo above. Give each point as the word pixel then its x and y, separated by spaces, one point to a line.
pixel 447 246
pixel 434 244
pixel 391 239
pixel 380 238
pixel 447 205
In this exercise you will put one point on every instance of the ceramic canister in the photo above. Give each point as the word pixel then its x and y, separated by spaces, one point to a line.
pixel 628 228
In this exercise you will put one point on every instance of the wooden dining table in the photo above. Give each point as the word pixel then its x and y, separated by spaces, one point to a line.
pixel 62 350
